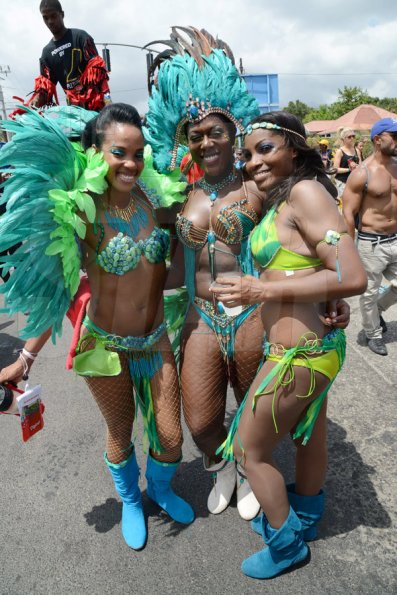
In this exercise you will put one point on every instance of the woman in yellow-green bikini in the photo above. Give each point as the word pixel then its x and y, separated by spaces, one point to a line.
pixel 305 258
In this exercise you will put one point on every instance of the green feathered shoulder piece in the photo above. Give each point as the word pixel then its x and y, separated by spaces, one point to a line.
pixel 163 190
pixel 47 200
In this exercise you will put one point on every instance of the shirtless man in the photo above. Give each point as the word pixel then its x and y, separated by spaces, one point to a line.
pixel 371 192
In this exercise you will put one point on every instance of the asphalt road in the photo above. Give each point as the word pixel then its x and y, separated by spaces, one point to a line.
pixel 60 521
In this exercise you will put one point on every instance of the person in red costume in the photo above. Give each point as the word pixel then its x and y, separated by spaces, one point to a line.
pixel 70 59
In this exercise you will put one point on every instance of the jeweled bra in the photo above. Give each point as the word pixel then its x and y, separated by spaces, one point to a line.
pixel 122 253
pixel 233 224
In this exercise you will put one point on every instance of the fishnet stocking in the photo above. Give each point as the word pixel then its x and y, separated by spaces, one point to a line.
pixel 248 353
pixel 203 384
pixel 167 404
pixel 114 397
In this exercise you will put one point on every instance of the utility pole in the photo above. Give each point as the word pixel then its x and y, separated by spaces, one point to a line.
pixel 3 70
pixel 106 52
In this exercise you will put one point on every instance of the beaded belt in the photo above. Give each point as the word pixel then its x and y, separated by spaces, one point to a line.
pixel 310 343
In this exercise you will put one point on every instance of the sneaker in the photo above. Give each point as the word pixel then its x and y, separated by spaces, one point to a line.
pixel 378 346
pixel 382 323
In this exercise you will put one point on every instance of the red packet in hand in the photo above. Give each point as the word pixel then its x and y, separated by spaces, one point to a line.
pixel 31 410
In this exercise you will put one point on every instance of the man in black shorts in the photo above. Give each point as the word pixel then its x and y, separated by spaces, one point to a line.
pixel 70 59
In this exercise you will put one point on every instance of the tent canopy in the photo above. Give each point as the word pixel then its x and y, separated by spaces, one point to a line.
pixel 362 117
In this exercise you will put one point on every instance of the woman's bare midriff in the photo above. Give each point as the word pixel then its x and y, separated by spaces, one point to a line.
pixel 225 262
pixel 285 323
pixel 131 304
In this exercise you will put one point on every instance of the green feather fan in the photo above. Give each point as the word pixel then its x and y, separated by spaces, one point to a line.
pixel 43 196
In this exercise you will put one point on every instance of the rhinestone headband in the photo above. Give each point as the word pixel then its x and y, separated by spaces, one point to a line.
pixel 197 110
pixel 269 126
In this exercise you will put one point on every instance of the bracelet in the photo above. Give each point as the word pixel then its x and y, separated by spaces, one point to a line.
pixel 28 354
pixel 25 366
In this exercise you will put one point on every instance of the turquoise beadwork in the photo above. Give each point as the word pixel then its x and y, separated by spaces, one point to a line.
pixel 122 254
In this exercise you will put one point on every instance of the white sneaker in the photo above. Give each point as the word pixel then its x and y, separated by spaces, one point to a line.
pixel 247 504
pixel 224 474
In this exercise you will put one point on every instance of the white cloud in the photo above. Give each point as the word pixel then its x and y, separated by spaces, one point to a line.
pixel 272 36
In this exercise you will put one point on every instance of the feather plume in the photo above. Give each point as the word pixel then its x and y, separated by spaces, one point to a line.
pixel 43 196
pixel 200 67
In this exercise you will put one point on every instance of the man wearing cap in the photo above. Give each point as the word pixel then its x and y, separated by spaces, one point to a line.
pixel 325 153
pixel 371 191
pixel 70 59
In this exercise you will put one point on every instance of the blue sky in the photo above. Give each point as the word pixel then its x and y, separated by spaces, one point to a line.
pixel 317 46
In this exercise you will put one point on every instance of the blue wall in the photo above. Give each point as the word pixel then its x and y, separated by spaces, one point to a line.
pixel 265 88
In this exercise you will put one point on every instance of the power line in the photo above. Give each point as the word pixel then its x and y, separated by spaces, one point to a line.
pixel 128 90
pixel 338 73
pixel 128 45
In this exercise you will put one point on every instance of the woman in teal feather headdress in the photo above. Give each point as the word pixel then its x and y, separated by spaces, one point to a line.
pixel 305 257
pixel 198 102
pixel 78 209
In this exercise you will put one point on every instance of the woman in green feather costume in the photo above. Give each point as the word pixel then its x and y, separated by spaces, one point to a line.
pixel 95 215
pixel 305 258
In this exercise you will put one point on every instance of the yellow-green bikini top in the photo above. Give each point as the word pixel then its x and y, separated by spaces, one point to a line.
pixel 270 254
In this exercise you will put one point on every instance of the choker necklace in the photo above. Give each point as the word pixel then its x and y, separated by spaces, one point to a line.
pixel 128 220
pixel 213 189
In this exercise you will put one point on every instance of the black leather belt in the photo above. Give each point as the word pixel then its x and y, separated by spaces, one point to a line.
pixel 376 238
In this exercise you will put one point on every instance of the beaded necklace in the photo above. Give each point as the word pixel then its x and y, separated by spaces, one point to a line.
pixel 213 190
pixel 128 220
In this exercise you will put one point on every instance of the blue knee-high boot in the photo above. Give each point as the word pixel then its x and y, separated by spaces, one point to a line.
pixel 309 510
pixel 285 550
pixel 126 476
pixel 159 489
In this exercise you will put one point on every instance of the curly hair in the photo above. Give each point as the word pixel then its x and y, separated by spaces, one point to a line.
pixel 309 164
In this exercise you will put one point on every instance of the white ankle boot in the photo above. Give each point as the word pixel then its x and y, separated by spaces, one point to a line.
pixel 224 484
pixel 247 504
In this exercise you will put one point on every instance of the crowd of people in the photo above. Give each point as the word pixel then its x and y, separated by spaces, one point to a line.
pixel 265 256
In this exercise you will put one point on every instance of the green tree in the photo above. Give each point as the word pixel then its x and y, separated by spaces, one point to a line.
pixel 297 108
pixel 348 99
pixel 389 103
pixel 323 112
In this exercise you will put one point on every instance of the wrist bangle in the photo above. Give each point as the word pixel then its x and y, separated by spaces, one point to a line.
pixel 28 354
pixel 25 367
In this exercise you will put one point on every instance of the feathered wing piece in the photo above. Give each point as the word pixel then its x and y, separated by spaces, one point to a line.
pixel 45 194
pixel 72 120
pixel 195 78
pixel 162 190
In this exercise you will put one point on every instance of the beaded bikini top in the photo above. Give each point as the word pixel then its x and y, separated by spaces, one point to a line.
pixel 233 224
pixel 123 253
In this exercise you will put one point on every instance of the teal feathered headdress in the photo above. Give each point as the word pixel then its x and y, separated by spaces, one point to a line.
pixel 194 79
